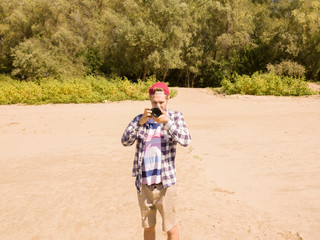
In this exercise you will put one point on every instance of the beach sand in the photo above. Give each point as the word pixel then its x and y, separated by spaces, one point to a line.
pixel 252 170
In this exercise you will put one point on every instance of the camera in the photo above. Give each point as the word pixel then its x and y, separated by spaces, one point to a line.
pixel 156 112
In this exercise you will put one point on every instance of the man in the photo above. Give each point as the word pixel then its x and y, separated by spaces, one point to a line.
pixel 154 160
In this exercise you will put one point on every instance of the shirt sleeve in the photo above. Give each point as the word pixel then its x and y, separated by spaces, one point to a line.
pixel 130 134
pixel 178 130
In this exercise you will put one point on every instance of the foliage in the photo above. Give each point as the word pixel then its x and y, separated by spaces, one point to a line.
pixel 266 84
pixel 193 43
pixel 35 59
pixel 73 90
pixel 287 68
pixel 148 40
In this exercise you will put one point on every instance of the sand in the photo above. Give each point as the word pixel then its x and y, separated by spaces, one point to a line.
pixel 251 172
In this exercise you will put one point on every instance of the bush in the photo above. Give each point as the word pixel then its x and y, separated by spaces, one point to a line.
pixel 287 68
pixel 266 84
pixel 212 74
pixel 75 90
pixel 36 59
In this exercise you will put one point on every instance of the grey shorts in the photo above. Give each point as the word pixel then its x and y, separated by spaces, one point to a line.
pixel 157 198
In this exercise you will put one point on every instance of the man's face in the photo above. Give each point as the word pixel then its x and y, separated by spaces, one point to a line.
pixel 159 101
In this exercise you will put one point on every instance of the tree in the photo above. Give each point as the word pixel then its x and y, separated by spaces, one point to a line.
pixel 186 42
pixel 148 37
pixel 220 30
pixel 308 21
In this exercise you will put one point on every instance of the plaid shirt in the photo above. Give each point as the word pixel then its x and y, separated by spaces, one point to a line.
pixel 173 132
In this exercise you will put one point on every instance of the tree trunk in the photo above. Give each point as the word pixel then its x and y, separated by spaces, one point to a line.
pixel 144 73
pixel 179 77
pixel 187 82
pixel 165 75
pixel 193 78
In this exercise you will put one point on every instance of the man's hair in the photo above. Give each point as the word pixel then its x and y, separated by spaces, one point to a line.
pixel 159 91
pixel 162 87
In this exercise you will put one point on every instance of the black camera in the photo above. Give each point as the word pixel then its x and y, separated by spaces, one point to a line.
pixel 156 112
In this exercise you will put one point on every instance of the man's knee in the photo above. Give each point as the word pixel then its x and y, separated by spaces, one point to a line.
pixel 173 231
pixel 150 229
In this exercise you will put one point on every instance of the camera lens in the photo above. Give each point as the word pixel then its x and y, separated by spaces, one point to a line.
pixel 156 112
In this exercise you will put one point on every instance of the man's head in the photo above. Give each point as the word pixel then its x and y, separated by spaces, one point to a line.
pixel 159 95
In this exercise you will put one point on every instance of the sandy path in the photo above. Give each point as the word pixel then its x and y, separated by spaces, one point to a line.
pixel 252 171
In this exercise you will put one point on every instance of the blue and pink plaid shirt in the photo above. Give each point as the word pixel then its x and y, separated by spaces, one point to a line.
pixel 173 132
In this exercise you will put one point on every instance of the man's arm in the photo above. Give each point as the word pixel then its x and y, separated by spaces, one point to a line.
pixel 178 130
pixel 130 134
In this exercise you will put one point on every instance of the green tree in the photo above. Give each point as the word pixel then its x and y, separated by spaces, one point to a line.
pixel 308 31
pixel 207 23
pixel 220 30
pixel 148 37
pixel 73 30
pixel 189 43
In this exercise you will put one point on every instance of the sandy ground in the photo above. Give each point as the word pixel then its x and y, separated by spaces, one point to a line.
pixel 251 172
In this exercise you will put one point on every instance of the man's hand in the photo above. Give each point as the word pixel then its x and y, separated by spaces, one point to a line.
pixel 163 118
pixel 145 117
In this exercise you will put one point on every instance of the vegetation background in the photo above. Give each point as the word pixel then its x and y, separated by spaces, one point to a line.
pixel 192 43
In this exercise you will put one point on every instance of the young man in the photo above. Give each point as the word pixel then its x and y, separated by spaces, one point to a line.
pixel 154 160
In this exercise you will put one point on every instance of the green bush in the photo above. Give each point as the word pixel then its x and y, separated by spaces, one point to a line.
pixel 75 90
pixel 36 59
pixel 287 68
pixel 266 84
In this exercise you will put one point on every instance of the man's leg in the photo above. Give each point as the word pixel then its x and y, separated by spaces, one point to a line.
pixel 148 212
pixel 150 233
pixel 173 233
